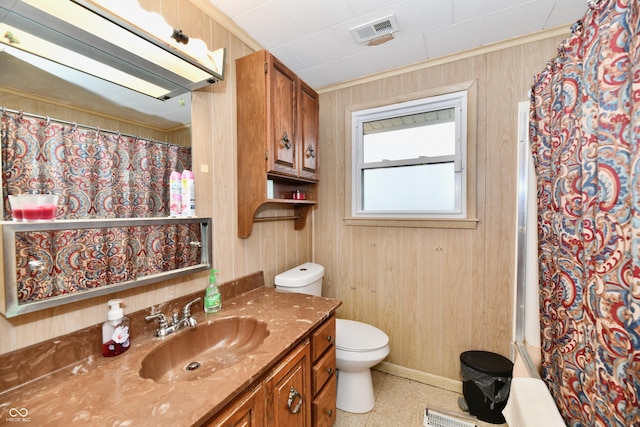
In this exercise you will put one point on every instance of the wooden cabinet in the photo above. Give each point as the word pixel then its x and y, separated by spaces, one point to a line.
pixel 245 411
pixel 324 383
pixel 277 126
pixel 308 111
pixel 288 389
pixel 299 392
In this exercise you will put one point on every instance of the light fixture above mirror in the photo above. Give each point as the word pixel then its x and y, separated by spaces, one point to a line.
pixel 125 45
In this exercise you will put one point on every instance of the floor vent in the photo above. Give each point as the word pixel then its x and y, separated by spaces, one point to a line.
pixel 375 29
pixel 438 419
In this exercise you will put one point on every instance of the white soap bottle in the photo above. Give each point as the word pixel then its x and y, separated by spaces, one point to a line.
pixel 115 331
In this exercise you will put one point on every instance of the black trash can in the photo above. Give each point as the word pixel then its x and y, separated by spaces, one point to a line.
pixel 486 381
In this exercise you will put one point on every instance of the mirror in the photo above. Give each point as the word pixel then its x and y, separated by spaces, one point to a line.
pixel 31 84
pixel 28 76
pixel 52 263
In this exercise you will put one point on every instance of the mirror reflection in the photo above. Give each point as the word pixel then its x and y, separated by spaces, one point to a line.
pixel 26 78
pixel 107 152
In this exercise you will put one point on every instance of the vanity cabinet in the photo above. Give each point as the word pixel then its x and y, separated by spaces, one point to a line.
pixel 277 128
pixel 246 411
pixel 288 390
pixel 300 391
pixel 324 381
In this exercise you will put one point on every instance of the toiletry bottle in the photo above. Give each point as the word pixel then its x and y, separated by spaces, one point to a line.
pixel 212 299
pixel 115 331
pixel 175 194
pixel 188 194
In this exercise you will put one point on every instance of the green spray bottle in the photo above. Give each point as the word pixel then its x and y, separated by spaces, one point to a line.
pixel 212 299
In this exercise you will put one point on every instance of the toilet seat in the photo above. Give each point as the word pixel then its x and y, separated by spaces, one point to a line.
pixel 359 337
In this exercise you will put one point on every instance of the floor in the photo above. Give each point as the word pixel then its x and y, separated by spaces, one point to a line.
pixel 401 402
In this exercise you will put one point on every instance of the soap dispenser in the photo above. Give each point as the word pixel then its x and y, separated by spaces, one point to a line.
pixel 212 299
pixel 115 331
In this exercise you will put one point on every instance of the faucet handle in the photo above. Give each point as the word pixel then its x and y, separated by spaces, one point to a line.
pixel 186 311
pixel 162 319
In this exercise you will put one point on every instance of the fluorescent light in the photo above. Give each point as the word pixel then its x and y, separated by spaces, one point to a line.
pixel 136 53
pixel 53 52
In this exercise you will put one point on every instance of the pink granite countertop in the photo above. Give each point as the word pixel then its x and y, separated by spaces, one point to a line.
pixel 109 391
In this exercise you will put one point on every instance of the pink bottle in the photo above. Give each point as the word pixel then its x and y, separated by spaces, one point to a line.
pixel 188 194
pixel 175 194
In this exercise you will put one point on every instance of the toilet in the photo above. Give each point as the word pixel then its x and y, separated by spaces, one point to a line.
pixel 359 346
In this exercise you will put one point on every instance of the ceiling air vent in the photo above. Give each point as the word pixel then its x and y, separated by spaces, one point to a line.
pixel 375 29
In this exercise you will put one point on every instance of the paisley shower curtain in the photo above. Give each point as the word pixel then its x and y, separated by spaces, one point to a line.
pixel 585 135
pixel 97 175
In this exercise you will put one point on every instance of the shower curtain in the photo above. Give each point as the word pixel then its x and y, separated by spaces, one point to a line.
pixel 585 135
pixel 97 175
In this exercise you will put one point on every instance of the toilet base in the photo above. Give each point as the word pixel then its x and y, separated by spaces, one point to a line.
pixel 355 391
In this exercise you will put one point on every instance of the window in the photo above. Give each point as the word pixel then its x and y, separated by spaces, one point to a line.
pixel 409 159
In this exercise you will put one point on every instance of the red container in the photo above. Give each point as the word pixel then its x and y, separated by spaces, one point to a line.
pixel 33 207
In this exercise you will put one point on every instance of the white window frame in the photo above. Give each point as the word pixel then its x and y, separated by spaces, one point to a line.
pixel 456 100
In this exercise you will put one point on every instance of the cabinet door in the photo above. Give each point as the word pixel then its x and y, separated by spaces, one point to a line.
pixel 308 132
pixel 283 133
pixel 289 391
pixel 247 411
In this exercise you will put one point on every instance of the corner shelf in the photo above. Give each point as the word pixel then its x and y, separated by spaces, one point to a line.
pixel 249 202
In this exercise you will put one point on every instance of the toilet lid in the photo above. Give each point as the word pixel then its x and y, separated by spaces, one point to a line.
pixel 358 336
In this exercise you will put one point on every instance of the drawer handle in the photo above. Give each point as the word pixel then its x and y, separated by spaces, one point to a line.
pixel 311 152
pixel 330 338
pixel 293 393
pixel 329 412
pixel 285 141
pixel 329 371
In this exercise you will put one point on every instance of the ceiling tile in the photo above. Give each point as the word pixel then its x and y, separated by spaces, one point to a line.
pixel 312 37
pixel 565 11
pixel 384 57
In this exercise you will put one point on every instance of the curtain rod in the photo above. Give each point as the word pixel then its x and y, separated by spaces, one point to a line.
pixel 76 125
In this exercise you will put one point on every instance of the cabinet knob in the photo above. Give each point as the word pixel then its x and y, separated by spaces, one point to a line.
pixel 285 141
pixel 330 338
pixel 293 394
pixel 329 412
pixel 329 371
pixel 310 151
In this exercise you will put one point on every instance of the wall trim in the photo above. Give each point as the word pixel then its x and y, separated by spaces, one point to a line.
pixel 419 376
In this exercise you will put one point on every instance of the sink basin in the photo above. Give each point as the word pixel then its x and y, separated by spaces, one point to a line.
pixel 196 353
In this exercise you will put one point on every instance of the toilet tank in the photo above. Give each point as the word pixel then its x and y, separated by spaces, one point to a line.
pixel 305 279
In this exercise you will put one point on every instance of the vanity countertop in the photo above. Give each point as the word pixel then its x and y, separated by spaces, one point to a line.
pixel 109 391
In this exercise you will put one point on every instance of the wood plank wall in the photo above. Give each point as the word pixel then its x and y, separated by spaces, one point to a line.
pixel 272 247
pixel 433 304
pixel 435 292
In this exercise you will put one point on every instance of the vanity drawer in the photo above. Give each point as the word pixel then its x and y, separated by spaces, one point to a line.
pixel 324 405
pixel 324 369
pixel 323 338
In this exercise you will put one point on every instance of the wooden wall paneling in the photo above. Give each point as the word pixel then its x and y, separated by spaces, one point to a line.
pixel 213 130
pixel 391 287
pixel 445 306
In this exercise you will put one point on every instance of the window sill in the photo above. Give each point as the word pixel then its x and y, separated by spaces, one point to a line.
pixel 461 223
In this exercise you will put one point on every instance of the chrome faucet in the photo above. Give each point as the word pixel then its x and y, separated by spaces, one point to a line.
pixel 164 328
